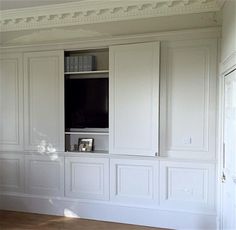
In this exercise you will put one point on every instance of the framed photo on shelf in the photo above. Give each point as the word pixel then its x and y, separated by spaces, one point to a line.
pixel 86 144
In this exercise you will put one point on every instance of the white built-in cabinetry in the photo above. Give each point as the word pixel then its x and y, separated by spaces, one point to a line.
pixel 11 102
pixel 129 177
pixel 134 99
pixel 43 100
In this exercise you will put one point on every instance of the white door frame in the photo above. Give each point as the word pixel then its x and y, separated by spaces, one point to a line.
pixel 224 70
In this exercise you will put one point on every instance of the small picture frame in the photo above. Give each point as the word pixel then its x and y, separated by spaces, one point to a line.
pixel 85 144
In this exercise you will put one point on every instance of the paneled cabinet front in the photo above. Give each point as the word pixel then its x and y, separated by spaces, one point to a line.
pixel 11 102
pixel 187 185
pixel 134 181
pixel 188 99
pixel 11 172
pixel 44 175
pixel 87 178
pixel 134 103
pixel 43 84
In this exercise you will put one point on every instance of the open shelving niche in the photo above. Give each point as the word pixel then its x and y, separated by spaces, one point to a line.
pixel 100 135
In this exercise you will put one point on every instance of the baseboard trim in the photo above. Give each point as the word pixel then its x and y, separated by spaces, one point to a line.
pixel 109 212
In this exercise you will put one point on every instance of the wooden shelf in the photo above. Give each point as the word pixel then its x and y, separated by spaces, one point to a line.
pixel 87 72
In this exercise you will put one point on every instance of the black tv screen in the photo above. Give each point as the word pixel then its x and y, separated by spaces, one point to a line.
pixel 86 103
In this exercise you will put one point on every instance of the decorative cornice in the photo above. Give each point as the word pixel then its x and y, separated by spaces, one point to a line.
pixel 95 11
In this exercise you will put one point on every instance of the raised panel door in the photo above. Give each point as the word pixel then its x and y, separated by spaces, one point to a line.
pixel 188 99
pixel 11 106
pixel 44 101
pixel 87 178
pixel 134 103
pixel 44 175
pixel 11 172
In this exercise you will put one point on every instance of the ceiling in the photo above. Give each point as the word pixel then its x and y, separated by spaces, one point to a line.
pixel 16 4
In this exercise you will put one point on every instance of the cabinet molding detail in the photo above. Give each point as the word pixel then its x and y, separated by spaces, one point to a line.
pixel 134 181
pixel 187 185
pixel 44 175
pixel 44 101
pixel 87 178
pixel 11 172
pixel 11 102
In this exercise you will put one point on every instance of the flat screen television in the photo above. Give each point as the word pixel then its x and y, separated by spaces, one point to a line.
pixel 86 103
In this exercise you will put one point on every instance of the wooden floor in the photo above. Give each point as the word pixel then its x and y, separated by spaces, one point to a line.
pixel 20 220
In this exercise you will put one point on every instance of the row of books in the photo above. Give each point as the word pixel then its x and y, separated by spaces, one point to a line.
pixel 80 63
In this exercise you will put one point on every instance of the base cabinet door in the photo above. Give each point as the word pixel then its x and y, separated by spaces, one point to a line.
pixel 87 178
pixel 44 175
pixel 11 172
pixel 134 99
pixel 134 181
pixel 187 186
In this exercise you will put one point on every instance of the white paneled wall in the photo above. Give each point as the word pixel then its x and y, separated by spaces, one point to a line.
pixel 161 176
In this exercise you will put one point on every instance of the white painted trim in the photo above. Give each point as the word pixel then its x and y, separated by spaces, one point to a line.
pixel 104 42
pixel 225 67
pixel 87 12
pixel 109 212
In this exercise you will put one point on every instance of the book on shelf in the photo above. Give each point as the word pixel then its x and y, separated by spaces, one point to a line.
pixel 67 64
pixel 76 64
pixel 80 63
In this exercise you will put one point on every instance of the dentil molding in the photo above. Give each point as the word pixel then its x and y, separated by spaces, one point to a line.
pixel 95 11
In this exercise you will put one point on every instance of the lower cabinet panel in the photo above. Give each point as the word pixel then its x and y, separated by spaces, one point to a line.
pixel 134 181
pixel 11 172
pixel 150 191
pixel 188 186
pixel 44 175
pixel 87 178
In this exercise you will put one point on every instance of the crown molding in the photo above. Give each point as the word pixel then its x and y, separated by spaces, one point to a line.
pixel 97 11
pixel 95 42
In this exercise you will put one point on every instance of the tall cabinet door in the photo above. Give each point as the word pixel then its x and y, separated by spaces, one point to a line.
pixel 43 72
pixel 11 97
pixel 134 99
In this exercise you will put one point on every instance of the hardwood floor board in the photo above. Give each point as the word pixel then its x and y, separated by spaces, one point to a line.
pixel 10 220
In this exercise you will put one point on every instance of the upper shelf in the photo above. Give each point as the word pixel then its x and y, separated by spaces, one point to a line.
pixel 87 72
